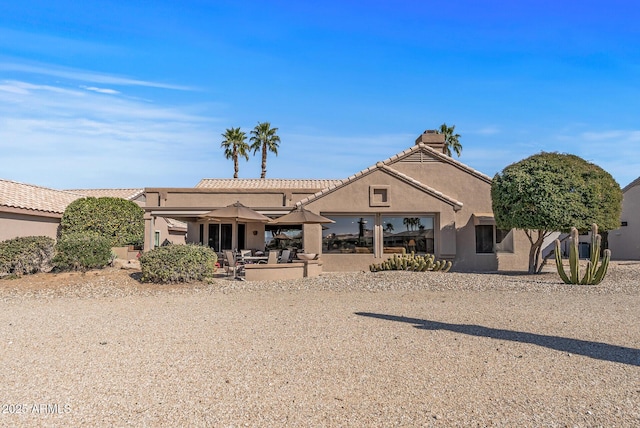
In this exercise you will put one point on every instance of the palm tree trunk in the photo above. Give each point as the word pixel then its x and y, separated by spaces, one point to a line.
pixel 264 161
pixel 235 165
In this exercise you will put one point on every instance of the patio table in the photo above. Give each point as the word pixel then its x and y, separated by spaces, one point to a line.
pixel 255 259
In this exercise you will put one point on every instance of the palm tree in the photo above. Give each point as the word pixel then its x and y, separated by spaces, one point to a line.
pixel 451 140
pixel 263 137
pixel 235 145
pixel 389 227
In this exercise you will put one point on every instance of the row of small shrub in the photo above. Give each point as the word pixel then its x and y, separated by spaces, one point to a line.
pixel 178 263
pixel 26 255
pixel 32 254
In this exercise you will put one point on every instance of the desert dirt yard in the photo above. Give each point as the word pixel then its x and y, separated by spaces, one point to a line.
pixel 356 349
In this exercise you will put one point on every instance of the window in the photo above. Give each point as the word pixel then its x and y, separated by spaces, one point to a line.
pixel 624 224
pixel 484 239
pixel 349 234
pixel 278 237
pixel 220 236
pixel 504 241
pixel 408 233
pixel 156 238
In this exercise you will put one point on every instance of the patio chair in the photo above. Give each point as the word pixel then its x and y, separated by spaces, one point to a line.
pixel 233 265
pixel 284 258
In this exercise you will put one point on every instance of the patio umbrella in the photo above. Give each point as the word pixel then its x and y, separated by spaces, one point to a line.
pixel 301 216
pixel 282 236
pixel 237 212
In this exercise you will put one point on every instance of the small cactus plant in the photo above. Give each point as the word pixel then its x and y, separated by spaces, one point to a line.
pixel 593 274
pixel 412 262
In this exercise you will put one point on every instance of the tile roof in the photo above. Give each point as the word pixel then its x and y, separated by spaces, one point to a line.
pixel 172 223
pixel 28 196
pixel 634 183
pixel 385 165
pixel 264 183
pixel 129 194
pixel 440 156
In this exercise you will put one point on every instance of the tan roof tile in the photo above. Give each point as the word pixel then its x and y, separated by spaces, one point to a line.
pixel 264 183
pixel 385 165
pixel 129 194
pixel 172 223
pixel 28 196
pixel 634 183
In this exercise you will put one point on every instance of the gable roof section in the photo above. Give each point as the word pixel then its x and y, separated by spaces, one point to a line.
pixel 455 204
pixel 129 194
pixel 634 183
pixel 264 183
pixel 36 198
pixel 424 148
pixel 385 166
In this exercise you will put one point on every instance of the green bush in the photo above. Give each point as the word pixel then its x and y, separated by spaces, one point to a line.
pixel 119 220
pixel 82 251
pixel 178 263
pixel 26 255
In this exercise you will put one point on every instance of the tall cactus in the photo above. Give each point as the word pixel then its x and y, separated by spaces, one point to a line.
pixel 593 274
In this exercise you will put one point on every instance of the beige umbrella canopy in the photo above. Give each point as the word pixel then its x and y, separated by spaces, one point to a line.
pixel 282 236
pixel 301 216
pixel 237 212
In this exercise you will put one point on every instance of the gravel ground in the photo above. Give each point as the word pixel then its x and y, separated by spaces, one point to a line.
pixel 357 349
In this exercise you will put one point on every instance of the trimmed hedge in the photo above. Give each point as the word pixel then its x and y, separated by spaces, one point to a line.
pixel 26 255
pixel 119 220
pixel 82 251
pixel 178 263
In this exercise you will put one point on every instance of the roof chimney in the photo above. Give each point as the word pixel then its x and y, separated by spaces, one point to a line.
pixel 433 139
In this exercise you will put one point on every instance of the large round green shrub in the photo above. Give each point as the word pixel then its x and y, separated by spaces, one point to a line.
pixel 178 263
pixel 26 255
pixel 82 251
pixel 551 192
pixel 119 220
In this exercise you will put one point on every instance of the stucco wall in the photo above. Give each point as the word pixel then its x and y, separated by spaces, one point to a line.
pixel 404 198
pixel 212 198
pixel 13 225
pixel 625 242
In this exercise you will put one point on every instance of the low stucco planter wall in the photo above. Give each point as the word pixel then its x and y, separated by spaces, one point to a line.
pixel 273 272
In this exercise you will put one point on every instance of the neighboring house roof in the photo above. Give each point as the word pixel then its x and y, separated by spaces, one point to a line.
pixel 129 194
pixel 30 197
pixel 385 166
pixel 264 183
pixel 634 183
pixel 176 225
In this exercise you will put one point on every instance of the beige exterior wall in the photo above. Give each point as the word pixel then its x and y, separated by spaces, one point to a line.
pixel 417 183
pixel 15 224
pixel 213 198
pixel 625 242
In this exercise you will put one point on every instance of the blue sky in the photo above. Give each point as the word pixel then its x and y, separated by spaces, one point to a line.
pixel 134 93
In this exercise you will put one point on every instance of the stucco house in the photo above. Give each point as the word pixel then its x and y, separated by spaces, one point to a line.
pixel 29 210
pixel 417 200
pixel 625 242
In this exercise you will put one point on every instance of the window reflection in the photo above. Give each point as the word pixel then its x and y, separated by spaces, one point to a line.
pixel 348 235
pixel 408 233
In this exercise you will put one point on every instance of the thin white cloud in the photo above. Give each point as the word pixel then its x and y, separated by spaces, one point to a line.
pixel 63 138
pixel 86 76
pixel 100 90
pixel 488 130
